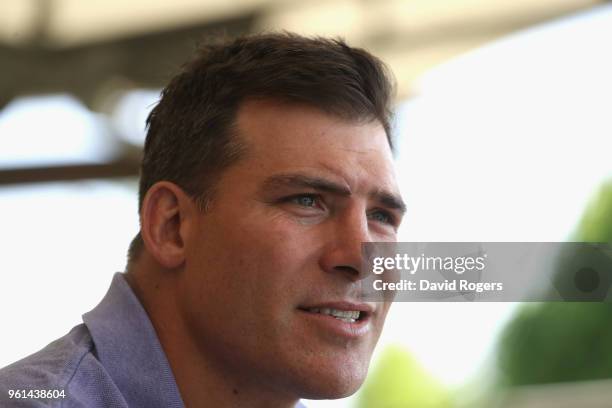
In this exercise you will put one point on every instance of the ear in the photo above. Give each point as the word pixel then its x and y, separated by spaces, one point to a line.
pixel 164 223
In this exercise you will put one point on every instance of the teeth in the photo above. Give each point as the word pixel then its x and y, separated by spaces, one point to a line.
pixel 349 316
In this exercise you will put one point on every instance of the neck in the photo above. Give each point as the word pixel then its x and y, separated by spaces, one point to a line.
pixel 202 379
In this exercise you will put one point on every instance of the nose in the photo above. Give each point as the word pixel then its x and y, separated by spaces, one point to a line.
pixel 343 250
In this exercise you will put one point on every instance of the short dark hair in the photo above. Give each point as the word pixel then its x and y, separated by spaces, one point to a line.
pixel 191 137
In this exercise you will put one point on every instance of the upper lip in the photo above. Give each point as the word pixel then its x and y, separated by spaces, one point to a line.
pixel 342 305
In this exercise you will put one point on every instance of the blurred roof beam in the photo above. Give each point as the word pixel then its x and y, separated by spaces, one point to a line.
pixel 144 42
pixel 122 167
pixel 74 23
pixel 144 61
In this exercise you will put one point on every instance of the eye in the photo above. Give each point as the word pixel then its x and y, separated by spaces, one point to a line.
pixel 382 216
pixel 304 200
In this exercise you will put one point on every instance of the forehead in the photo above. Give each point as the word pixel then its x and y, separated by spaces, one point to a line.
pixel 288 136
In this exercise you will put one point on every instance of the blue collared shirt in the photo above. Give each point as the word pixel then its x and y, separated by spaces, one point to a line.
pixel 112 360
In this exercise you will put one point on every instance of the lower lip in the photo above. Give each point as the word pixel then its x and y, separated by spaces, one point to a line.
pixel 338 327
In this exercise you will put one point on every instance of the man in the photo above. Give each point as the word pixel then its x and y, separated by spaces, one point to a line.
pixel 267 164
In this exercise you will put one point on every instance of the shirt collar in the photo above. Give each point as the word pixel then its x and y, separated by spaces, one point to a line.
pixel 128 348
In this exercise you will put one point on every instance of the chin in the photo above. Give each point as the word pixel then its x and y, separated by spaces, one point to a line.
pixel 330 391
pixel 332 384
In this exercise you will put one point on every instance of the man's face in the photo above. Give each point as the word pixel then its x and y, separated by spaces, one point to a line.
pixel 280 249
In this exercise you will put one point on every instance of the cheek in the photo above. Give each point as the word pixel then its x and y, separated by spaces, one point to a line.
pixel 283 256
pixel 254 258
pixel 276 242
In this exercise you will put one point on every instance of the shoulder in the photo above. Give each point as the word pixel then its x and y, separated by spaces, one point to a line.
pixel 55 367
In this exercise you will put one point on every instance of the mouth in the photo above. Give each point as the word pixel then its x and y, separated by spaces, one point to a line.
pixel 348 316
pixel 345 319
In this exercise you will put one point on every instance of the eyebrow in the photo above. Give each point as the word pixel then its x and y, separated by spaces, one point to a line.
pixel 388 199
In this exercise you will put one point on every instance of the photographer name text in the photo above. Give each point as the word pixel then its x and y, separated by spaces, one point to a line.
pixel 424 285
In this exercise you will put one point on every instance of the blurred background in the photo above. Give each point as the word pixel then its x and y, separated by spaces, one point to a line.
pixel 505 134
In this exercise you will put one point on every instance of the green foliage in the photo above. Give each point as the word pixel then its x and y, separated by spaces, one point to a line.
pixel 558 342
pixel 398 381
pixel 596 224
